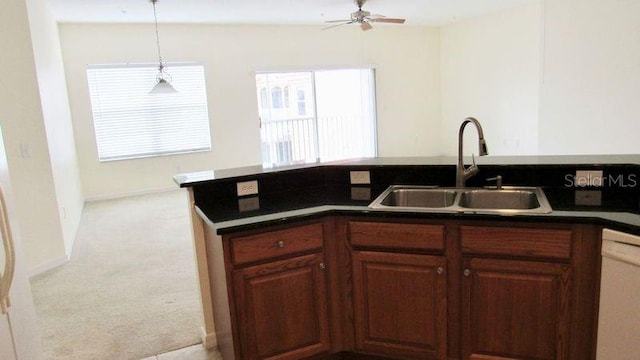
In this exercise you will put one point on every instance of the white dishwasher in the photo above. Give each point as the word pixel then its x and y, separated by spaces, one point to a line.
pixel 619 316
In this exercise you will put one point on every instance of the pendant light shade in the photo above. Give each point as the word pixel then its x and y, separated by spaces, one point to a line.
pixel 162 87
pixel 163 79
pixel 163 82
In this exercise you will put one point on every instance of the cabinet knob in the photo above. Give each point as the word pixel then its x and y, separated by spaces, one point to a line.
pixel 467 272
pixel 440 270
pixel 280 244
pixel 322 266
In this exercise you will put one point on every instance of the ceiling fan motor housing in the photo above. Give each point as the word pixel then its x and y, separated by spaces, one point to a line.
pixel 359 15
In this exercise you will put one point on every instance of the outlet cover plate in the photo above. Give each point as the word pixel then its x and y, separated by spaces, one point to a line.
pixel 592 178
pixel 360 177
pixel 247 187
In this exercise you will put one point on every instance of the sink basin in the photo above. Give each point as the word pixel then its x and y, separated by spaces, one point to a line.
pixel 419 197
pixel 506 201
pixel 499 199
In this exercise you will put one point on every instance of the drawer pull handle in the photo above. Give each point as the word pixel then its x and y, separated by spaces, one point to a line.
pixel 322 266
pixel 280 244
pixel 467 272
pixel 440 270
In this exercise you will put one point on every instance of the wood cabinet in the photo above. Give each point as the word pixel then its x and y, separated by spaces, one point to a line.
pixel 282 308
pixel 392 288
pixel 399 298
pixel 516 293
pixel 400 304
pixel 515 309
pixel 280 293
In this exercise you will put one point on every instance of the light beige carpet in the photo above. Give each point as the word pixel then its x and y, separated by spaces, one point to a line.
pixel 129 290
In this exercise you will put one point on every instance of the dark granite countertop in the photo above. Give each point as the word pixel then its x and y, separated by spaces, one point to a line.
pixel 305 191
pixel 190 179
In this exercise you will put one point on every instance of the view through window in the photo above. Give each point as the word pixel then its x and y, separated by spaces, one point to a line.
pixel 326 115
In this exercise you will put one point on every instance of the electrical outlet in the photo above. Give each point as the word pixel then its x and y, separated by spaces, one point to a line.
pixel 360 177
pixel 247 188
pixel 589 178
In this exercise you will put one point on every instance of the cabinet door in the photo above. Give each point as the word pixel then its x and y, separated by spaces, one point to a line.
pixel 515 309
pixel 282 309
pixel 400 304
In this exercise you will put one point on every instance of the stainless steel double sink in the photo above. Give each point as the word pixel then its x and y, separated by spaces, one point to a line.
pixel 507 200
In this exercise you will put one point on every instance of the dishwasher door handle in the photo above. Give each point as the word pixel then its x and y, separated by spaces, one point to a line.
pixel 629 253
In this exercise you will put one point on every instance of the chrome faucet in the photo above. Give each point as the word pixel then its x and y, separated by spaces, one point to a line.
pixel 462 173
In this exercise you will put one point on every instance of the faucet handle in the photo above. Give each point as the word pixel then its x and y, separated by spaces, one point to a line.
pixel 473 159
pixel 498 180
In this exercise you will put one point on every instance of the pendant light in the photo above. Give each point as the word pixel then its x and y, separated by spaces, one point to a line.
pixel 163 79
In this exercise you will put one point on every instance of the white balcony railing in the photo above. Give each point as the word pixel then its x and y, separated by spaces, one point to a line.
pixel 300 140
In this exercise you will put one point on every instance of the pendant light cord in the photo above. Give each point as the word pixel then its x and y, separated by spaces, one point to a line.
pixel 155 17
pixel 163 79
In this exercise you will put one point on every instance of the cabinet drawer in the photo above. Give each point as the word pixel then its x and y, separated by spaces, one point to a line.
pixel 247 249
pixel 545 243
pixel 396 235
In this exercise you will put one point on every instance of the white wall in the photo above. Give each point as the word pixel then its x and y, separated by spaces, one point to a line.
pixel 22 120
pixel 491 71
pixel 407 90
pixel 559 77
pixel 57 119
pixel 591 83
pixel 407 69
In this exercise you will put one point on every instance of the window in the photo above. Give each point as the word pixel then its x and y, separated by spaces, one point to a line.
pixel 276 97
pixel 264 101
pixel 333 118
pixel 131 123
pixel 302 105
pixel 286 96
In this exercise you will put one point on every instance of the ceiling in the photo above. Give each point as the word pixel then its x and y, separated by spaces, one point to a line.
pixel 311 12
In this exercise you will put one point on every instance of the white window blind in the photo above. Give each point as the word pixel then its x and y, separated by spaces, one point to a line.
pixel 131 123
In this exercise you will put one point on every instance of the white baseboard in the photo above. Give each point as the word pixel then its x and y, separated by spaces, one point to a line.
pixel 133 193
pixel 51 264
pixel 208 340
pixel 70 241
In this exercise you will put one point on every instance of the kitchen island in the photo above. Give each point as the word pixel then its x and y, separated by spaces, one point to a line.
pixel 305 268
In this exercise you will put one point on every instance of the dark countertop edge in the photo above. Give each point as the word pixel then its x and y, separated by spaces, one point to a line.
pixel 196 178
pixel 615 221
pixel 209 176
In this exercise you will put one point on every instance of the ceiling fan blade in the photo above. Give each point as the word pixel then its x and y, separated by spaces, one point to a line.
pixel 389 20
pixel 335 21
pixel 365 26
pixel 332 26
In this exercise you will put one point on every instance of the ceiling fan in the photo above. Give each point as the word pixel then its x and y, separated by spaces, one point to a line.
pixel 364 18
